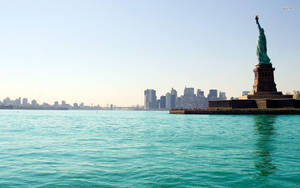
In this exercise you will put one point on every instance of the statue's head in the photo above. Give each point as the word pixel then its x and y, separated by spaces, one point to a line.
pixel 262 30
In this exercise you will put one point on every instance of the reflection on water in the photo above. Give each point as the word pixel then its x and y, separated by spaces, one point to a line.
pixel 265 131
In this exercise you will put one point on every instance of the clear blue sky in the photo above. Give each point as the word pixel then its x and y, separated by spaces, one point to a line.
pixel 104 52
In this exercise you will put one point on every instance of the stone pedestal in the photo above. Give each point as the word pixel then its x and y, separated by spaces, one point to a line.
pixel 264 78
pixel 264 86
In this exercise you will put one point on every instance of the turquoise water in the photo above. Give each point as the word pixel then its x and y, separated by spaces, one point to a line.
pixel 147 149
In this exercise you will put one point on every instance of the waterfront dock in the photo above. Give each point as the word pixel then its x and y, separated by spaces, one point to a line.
pixel 282 111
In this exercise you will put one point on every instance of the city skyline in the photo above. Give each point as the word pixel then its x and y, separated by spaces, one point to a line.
pixel 29 101
pixel 190 98
pixel 26 102
pixel 104 52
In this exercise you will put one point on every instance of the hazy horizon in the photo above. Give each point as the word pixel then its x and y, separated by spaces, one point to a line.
pixel 109 52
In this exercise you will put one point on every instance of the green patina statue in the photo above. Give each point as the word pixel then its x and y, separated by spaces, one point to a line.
pixel 261 49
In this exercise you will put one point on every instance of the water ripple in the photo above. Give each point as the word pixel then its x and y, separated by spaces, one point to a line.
pixel 147 149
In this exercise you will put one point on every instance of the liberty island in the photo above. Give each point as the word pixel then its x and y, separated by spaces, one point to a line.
pixel 264 98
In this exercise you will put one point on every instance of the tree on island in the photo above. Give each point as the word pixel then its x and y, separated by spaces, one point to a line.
pixel 296 94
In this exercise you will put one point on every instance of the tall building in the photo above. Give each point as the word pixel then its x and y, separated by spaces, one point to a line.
pixel 189 92
pixel 157 103
pixel 213 94
pixel 34 102
pixel 7 101
pixel 173 101
pixel 81 105
pixel 18 101
pixel 200 93
pixel 63 103
pixel 25 101
pixel 174 92
pixel 170 101
pixel 190 100
pixel 222 96
pixel 162 102
pixel 171 98
pixel 150 99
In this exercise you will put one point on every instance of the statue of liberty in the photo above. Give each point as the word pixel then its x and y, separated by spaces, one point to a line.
pixel 261 50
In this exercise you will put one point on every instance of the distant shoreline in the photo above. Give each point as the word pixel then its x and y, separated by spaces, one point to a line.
pixel 12 107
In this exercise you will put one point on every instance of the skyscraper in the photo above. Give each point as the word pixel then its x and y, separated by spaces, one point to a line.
pixel 18 101
pixel 7 101
pixel 213 94
pixel 150 99
pixel 222 96
pixel 190 100
pixel 63 103
pixel 189 92
pixel 25 101
pixel 171 99
pixel 174 92
pixel 168 100
pixel 162 102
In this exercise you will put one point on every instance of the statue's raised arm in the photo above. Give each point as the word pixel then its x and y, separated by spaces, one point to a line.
pixel 261 49
pixel 256 18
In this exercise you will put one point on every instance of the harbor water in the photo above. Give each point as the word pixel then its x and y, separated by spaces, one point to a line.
pixel 147 149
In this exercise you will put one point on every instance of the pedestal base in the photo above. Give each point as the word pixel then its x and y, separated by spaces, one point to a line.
pixel 267 95
pixel 254 104
pixel 264 86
